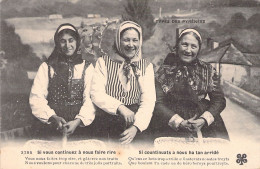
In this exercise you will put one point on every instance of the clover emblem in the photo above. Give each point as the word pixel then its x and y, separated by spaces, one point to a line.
pixel 241 159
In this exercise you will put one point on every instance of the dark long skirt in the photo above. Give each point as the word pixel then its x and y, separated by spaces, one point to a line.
pixel 108 127
pixel 159 126
pixel 49 132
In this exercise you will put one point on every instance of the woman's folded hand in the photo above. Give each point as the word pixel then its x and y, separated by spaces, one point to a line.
pixel 127 114
pixel 128 135
pixel 71 126
pixel 186 124
pixel 58 121
pixel 197 124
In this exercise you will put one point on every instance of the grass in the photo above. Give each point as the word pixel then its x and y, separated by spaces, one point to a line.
pixel 15 111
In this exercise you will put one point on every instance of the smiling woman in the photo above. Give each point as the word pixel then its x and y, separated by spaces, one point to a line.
pixel 68 44
pixel 129 42
pixel 118 88
pixel 60 96
pixel 182 84
pixel 188 48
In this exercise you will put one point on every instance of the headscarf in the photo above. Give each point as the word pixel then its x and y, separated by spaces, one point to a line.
pixel 126 25
pixel 129 67
pixel 190 30
pixel 58 60
pixel 185 80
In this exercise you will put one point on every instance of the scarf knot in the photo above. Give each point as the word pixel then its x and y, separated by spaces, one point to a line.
pixel 127 70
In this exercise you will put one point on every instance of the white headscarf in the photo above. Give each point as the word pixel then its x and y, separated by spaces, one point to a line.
pixel 125 25
pixel 138 55
pixel 191 30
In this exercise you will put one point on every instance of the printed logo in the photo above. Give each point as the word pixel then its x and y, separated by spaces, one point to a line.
pixel 241 159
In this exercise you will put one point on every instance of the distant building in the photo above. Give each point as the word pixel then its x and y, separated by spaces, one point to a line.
pixel 232 61
pixel 90 15
pixel 93 15
pixel 55 16
pixel 254 58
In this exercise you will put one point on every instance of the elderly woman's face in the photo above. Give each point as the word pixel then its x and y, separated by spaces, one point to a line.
pixel 130 43
pixel 188 48
pixel 68 44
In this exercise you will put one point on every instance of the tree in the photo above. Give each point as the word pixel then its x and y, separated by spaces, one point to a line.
pixel 15 50
pixel 254 22
pixel 139 11
pixel 237 21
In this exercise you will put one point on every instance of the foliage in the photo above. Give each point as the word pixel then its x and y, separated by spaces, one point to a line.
pixel 254 22
pixel 243 31
pixel 252 85
pixel 139 11
pixel 15 111
pixel 14 50
pixel 38 8
pixel 251 3
pixel 15 85
pixel 237 21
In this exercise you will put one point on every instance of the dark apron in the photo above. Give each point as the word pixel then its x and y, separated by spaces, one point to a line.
pixel 109 127
pixel 65 97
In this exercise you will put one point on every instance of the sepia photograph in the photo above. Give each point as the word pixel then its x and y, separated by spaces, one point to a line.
pixel 130 83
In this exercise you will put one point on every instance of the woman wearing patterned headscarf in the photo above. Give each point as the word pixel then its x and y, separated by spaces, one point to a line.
pixel 60 96
pixel 123 87
pixel 182 83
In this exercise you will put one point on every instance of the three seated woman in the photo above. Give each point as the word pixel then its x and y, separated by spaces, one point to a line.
pixel 121 96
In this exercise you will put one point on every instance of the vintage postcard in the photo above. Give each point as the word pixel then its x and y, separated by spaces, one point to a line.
pixel 130 84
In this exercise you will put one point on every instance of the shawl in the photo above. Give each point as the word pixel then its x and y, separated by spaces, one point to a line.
pixel 58 60
pixel 186 81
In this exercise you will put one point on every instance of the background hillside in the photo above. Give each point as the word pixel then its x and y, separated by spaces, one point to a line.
pixel 108 8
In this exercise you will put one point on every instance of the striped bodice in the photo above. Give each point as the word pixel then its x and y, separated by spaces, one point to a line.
pixel 114 87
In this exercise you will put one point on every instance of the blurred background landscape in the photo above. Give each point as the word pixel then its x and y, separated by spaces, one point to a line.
pixel 230 31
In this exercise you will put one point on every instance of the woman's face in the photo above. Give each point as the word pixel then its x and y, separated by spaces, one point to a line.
pixel 68 44
pixel 130 43
pixel 188 48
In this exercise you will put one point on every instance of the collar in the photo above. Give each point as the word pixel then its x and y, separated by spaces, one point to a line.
pixel 74 59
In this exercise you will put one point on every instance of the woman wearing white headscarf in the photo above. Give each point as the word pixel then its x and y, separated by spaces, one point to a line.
pixel 60 96
pixel 182 84
pixel 123 87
